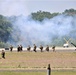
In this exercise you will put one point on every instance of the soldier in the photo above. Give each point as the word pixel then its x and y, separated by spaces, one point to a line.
pixel 53 48
pixel 21 48
pixel 47 48
pixel 3 54
pixel 11 48
pixel 29 48
pixel 41 48
pixel 34 49
pixel 18 48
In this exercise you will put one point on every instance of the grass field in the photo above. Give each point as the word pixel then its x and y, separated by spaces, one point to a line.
pixel 39 73
pixel 39 60
pixel 65 61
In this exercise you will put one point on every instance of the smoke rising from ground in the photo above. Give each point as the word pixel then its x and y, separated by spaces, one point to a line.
pixel 29 32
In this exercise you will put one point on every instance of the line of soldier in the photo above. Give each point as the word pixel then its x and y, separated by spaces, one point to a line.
pixel 20 48
pixel 41 48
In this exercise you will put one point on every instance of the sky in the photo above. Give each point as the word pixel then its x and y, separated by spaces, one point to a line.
pixel 26 7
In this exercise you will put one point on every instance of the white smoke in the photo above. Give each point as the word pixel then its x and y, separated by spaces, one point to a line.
pixel 31 31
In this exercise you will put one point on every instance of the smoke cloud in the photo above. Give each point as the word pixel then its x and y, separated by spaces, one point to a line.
pixel 26 31
pixel 29 32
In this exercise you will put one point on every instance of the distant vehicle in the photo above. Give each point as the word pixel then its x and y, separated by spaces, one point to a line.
pixel 67 43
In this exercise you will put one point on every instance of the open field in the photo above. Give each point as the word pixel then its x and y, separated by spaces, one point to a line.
pixel 39 73
pixel 39 60
pixel 62 62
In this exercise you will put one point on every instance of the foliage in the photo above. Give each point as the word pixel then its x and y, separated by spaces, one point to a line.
pixel 2 44
pixel 41 15
pixel 5 29
pixel 70 12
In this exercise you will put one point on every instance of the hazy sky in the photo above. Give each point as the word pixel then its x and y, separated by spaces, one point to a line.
pixel 25 7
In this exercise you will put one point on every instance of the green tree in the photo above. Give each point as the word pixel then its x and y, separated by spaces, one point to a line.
pixel 5 29
pixel 41 15
pixel 70 12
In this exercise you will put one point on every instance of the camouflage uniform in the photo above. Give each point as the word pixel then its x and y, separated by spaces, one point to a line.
pixel 21 48
pixel 3 54
pixel 53 48
pixel 29 48
pixel 34 49
pixel 11 48
pixel 47 48
pixel 18 48
pixel 41 48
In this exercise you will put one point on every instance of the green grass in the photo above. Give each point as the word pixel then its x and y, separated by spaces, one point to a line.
pixel 39 73
pixel 22 73
pixel 63 73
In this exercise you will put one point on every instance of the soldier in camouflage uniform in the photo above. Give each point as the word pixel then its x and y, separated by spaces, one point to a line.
pixel 11 48
pixel 3 54
pixel 53 48
pixel 18 48
pixel 47 48
pixel 21 48
pixel 41 48
pixel 34 49
pixel 29 48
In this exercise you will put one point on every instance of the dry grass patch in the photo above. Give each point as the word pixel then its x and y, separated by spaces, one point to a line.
pixel 39 60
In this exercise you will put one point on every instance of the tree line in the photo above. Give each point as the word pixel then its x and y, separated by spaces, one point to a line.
pixel 41 15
